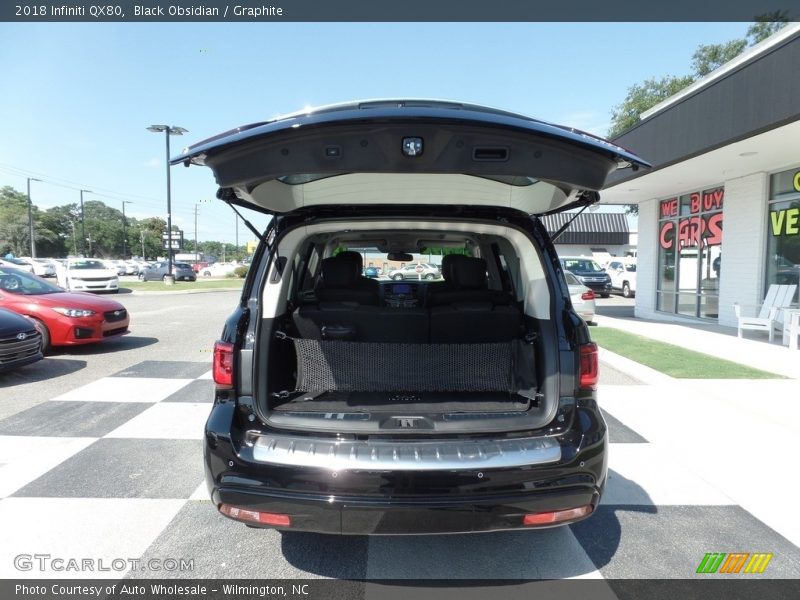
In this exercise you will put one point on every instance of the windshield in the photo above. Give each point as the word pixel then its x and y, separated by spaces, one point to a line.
pixel 630 268
pixel 582 265
pixel 86 264
pixel 25 284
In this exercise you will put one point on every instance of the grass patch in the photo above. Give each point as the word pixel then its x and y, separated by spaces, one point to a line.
pixel 673 360
pixel 182 286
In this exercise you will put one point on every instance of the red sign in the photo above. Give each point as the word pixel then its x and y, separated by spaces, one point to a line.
pixel 696 230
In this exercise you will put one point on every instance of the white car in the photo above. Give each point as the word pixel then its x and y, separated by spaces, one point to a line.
pixel 218 270
pixel 623 276
pixel 582 298
pixel 415 271
pixel 16 263
pixel 41 267
pixel 88 275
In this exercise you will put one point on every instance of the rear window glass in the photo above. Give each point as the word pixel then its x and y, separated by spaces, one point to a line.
pixel 581 265
pixel 86 264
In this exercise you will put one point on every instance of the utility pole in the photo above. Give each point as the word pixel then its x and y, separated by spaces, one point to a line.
pixel 83 225
pixel 141 235
pixel 30 217
pixel 168 130
pixel 236 217
pixel 124 229
pixel 196 260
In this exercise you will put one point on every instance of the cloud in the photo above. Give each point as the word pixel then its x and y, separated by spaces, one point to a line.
pixel 155 162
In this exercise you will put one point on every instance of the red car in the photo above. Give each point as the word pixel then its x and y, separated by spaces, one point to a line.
pixel 64 318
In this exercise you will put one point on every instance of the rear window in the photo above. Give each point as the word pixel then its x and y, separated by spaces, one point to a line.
pixel 581 265
pixel 86 264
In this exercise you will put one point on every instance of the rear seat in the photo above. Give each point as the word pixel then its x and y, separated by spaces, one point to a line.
pixel 467 312
pixel 352 322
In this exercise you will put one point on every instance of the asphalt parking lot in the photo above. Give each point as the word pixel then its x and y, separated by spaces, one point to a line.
pixel 103 444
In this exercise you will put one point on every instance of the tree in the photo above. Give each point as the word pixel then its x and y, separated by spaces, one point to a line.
pixel 765 26
pixel 14 227
pixel 710 57
pixel 642 97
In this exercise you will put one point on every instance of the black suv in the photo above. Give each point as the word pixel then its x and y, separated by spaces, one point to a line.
pixel 470 405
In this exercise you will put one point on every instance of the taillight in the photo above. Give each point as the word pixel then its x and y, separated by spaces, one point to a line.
pixel 589 368
pixel 587 295
pixel 222 369
pixel 255 516
pixel 556 516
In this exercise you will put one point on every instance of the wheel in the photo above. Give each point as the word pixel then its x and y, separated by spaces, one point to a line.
pixel 430 276
pixel 164 278
pixel 397 277
pixel 141 276
pixel 626 290
pixel 605 295
pixel 45 334
pixel 206 273
pixel 11 283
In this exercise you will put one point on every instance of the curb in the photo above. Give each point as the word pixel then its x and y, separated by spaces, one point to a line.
pixel 643 373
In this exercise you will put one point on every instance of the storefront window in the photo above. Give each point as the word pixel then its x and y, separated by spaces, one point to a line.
pixel 690 253
pixel 783 235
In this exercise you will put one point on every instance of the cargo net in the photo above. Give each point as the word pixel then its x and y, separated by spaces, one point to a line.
pixel 327 366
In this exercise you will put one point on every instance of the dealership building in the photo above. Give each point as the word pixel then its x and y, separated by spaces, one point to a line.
pixel 719 213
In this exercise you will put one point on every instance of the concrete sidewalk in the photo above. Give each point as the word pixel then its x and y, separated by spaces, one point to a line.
pixel 721 342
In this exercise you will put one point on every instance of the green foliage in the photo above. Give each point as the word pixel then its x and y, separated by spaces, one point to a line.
pixel 709 57
pixel 240 271
pixel 644 96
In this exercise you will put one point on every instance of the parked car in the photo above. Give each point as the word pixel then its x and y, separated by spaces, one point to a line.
pixel 416 271
pixel 477 409
pixel 20 340
pixel 582 298
pixel 87 275
pixel 623 276
pixel 218 270
pixel 42 268
pixel 64 318
pixel 372 272
pixel 181 272
pixel 16 263
pixel 589 273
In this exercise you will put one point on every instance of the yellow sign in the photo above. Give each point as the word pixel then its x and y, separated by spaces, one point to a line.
pixel 796 182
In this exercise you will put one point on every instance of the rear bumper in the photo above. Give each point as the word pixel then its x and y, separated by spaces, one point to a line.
pixel 363 516
pixel 333 496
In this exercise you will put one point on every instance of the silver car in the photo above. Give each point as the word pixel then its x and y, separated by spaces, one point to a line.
pixel 582 298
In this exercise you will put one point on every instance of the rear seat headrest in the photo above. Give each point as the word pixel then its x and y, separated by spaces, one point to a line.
pixel 447 266
pixel 352 257
pixel 469 273
pixel 338 273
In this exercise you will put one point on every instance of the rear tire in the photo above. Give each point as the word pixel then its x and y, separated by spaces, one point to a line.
pixel 626 290
pixel 430 276
pixel 606 295
pixel 141 277
pixel 397 277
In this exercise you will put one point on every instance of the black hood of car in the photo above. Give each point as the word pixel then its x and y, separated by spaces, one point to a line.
pixel 11 324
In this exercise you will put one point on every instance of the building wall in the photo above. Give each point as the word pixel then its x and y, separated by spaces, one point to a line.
pixel 582 250
pixel 743 244
pixel 647 261
pixel 743 250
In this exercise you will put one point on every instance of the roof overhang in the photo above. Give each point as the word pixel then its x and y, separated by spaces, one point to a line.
pixel 767 152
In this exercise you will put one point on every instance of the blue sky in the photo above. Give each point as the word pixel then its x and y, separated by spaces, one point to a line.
pixel 77 97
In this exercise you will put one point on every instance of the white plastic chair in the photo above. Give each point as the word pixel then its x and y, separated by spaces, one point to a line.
pixel 769 315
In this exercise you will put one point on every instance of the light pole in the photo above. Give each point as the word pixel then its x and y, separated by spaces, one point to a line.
pixel 168 131
pixel 124 229
pixel 30 217
pixel 83 225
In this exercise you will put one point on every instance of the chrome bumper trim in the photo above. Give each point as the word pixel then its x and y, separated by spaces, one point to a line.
pixel 442 455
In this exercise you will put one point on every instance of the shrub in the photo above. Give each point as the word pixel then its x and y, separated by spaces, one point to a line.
pixel 240 271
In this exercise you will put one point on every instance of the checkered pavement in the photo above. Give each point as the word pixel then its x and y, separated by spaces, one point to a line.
pixel 114 469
